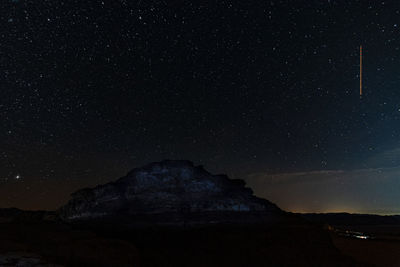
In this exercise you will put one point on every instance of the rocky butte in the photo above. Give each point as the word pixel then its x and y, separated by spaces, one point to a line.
pixel 171 193
pixel 168 213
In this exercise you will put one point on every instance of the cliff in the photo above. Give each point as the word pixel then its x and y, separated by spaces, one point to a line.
pixel 170 192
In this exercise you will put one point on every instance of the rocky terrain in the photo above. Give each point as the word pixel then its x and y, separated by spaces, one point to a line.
pixel 168 213
pixel 171 192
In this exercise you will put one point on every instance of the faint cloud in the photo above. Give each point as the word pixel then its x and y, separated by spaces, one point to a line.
pixel 375 190
pixel 388 158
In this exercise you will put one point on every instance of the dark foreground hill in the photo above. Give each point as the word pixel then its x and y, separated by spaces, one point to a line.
pixel 42 243
pixel 169 213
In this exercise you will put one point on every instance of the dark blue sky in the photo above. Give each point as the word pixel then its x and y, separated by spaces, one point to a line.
pixel 91 90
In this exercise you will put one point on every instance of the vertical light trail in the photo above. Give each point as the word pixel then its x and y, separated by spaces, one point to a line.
pixel 361 92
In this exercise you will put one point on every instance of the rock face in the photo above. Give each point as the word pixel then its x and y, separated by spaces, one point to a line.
pixel 170 192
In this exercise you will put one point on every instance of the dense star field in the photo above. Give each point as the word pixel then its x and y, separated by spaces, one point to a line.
pixel 263 90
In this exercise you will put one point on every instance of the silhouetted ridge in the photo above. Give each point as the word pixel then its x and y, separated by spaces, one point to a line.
pixel 171 192
pixel 352 219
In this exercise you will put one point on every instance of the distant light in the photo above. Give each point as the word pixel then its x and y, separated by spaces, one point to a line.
pixel 17 176
pixel 361 236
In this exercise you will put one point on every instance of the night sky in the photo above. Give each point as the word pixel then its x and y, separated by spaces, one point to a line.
pixel 263 90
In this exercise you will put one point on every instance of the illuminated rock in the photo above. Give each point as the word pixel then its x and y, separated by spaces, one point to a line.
pixel 170 192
